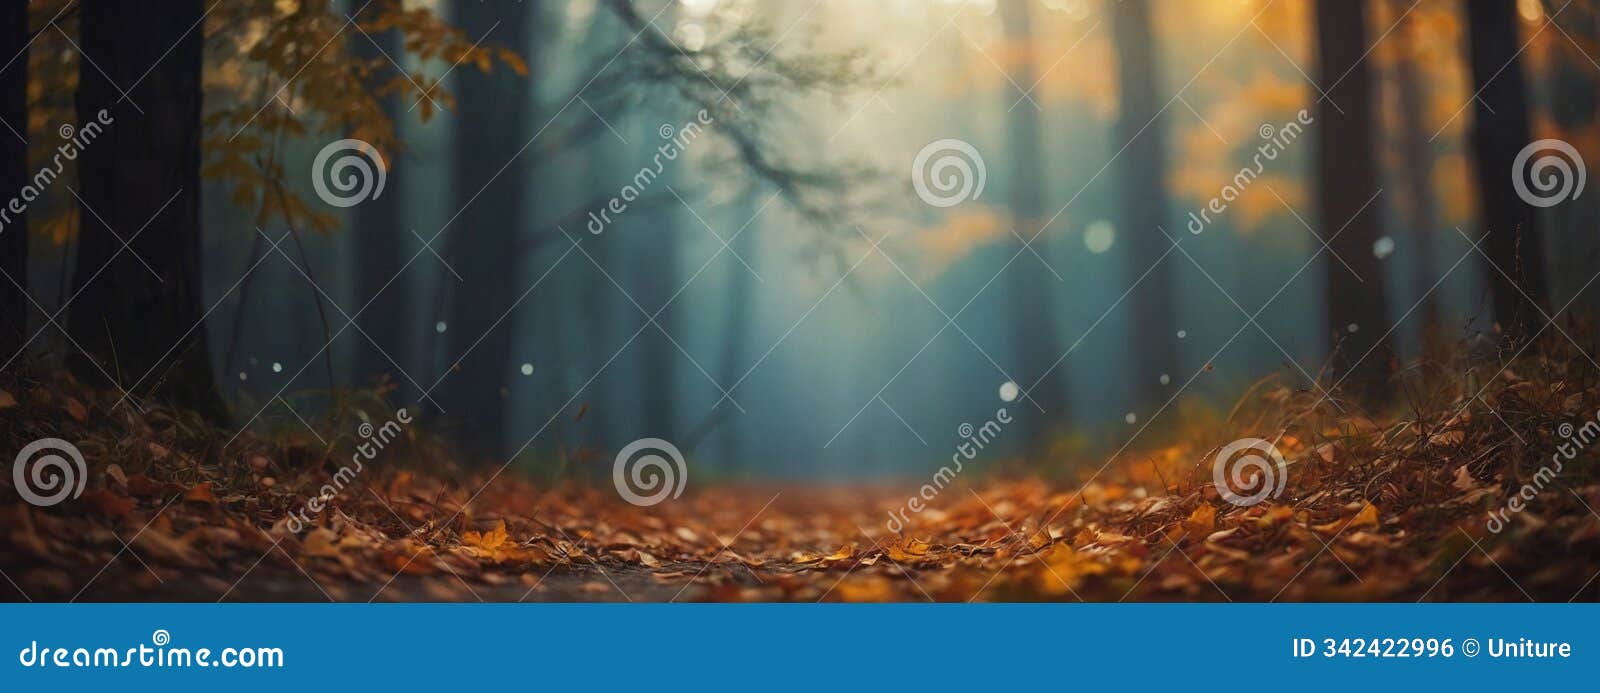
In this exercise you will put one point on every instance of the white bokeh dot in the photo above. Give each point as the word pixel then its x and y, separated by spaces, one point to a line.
pixel 1009 391
pixel 277 367
pixel 440 327
pixel 1099 236
pixel 527 369
pixel 1383 247
pixel 1131 417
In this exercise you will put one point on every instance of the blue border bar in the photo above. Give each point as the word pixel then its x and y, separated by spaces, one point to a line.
pixel 805 647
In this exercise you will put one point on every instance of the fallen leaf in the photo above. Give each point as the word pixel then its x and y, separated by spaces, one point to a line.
pixel 201 493
pixel 1202 521
pixel 77 410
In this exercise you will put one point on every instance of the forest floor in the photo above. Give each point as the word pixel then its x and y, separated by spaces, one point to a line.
pixel 1461 489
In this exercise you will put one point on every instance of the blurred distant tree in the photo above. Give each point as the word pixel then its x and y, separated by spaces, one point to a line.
pixel 1346 185
pixel 1143 187
pixel 380 232
pixel 1034 338
pixel 287 72
pixel 137 285
pixel 1416 160
pixel 492 203
pixel 1499 131
pixel 737 321
pixel 14 306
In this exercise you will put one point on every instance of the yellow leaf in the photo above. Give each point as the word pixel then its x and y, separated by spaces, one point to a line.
pixel 1202 520
pixel 320 542
pixel 488 541
pixel 1368 517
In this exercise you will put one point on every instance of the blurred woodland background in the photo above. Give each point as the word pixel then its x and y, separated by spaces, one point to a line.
pixel 779 301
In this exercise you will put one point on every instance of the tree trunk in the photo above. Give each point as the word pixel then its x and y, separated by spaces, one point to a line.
pixel 1143 198
pixel 1346 183
pixel 1416 174
pixel 490 125
pixel 737 328
pixel 139 180
pixel 380 234
pixel 14 306
pixel 1034 338
pixel 1499 131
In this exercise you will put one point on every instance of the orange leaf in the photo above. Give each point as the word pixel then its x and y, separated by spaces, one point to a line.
pixel 108 503
pixel 201 493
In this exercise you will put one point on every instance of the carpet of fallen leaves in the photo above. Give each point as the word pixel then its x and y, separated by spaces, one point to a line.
pixel 1380 504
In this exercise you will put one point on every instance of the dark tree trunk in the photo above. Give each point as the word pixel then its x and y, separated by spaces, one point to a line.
pixel 1142 187
pixel 1416 171
pixel 139 181
pixel 380 234
pixel 1499 131
pixel 491 124
pixel 1034 338
pixel 1346 184
pixel 14 306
